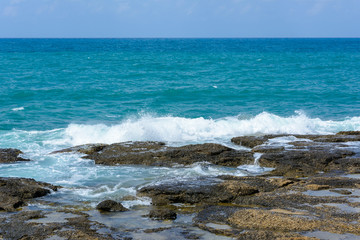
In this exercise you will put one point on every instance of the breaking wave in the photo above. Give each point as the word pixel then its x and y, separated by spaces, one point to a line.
pixel 197 130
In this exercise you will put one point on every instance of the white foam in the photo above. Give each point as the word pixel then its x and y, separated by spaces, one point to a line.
pixel 191 130
pixel 17 109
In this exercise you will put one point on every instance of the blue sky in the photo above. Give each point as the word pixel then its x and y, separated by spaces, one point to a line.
pixel 179 18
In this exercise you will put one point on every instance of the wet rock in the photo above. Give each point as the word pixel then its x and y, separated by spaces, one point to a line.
pixel 341 191
pixel 162 214
pixel 253 141
pixel 296 163
pixel 335 182
pixel 215 219
pixel 85 149
pixel 202 190
pixel 33 225
pixel 268 149
pixel 317 187
pixel 157 154
pixel 258 219
pixel 14 192
pixel 10 155
pixel 262 184
pixel 284 199
pixel 249 141
pixel 348 133
pixel 350 165
pixel 111 206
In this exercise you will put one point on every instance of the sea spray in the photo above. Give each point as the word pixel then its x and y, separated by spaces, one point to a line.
pixel 178 130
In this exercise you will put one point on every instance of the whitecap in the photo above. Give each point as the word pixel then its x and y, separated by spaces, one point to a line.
pixel 179 130
pixel 18 109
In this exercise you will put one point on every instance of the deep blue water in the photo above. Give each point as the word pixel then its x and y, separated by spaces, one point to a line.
pixel 88 81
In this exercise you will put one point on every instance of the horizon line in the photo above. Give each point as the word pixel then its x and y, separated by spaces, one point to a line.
pixel 180 37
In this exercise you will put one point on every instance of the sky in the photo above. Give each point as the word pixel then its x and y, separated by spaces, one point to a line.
pixel 179 18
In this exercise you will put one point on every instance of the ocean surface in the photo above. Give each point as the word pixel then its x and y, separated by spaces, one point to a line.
pixel 57 93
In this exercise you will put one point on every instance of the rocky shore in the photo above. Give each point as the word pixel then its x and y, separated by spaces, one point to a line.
pixel 313 192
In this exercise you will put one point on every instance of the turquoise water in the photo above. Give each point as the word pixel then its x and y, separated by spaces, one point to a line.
pixel 57 93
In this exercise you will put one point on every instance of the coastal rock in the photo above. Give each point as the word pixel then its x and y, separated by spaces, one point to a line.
pixel 258 219
pixel 162 214
pixel 268 149
pixel 295 163
pixel 85 149
pixel 201 190
pixel 14 192
pixel 348 133
pixel 316 187
pixel 249 141
pixel 31 225
pixel 10 155
pixel 111 206
pixel 157 154
pixel 260 183
pixel 340 137
pixel 283 208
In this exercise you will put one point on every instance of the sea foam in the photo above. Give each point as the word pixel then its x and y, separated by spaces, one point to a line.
pixel 180 130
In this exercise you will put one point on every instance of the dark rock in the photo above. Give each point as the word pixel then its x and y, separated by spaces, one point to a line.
pixel 341 191
pixel 296 163
pixel 202 190
pixel 285 221
pixel 268 149
pixel 338 138
pixel 212 216
pixel 316 187
pixel 86 149
pixel 31 225
pixel 253 141
pixel 157 154
pixel 14 192
pixel 335 182
pixel 10 155
pixel 348 133
pixel 162 214
pixel 249 141
pixel 111 206
pixel 262 184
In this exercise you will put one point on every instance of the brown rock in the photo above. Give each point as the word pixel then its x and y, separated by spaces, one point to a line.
pixel 268 149
pixel 316 187
pixel 111 206
pixel 162 214
pixel 249 141
pixel 202 190
pixel 10 155
pixel 157 154
pixel 297 163
pixel 86 148
pixel 348 133
pixel 14 192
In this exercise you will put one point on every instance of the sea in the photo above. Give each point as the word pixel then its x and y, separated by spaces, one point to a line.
pixel 59 93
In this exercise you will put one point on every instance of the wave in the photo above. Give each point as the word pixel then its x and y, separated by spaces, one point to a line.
pixel 17 109
pixel 196 130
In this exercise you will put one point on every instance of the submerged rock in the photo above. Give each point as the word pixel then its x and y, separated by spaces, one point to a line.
pixel 157 154
pixel 10 155
pixel 14 192
pixel 111 206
